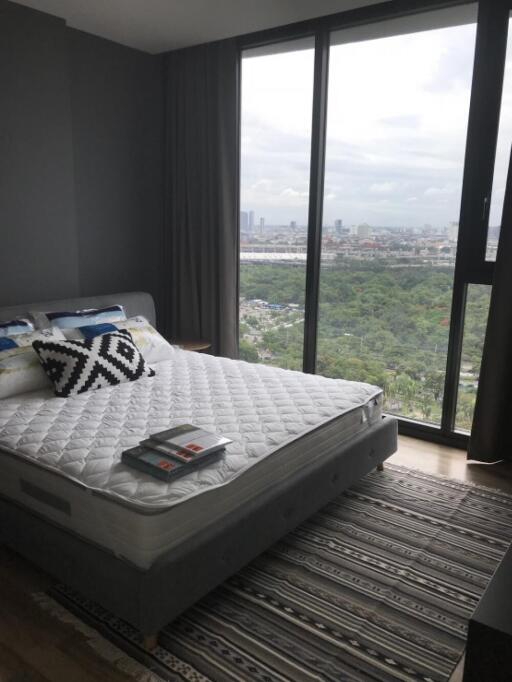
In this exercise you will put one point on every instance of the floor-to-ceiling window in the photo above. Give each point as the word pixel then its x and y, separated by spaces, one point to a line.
pixel 277 95
pixel 396 135
pixel 400 292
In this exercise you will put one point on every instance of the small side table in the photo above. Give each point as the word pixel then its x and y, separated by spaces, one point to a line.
pixel 191 344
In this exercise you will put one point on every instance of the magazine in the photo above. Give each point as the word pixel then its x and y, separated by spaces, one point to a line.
pixel 154 463
pixel 161 465
pixel 191 439
pixel 171 451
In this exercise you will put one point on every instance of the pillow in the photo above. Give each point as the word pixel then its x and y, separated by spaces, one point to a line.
pixel 26 340
pixel 150 343
pixel 79 366
pixel 20 370
pixel 78 318
pixel 15 327
pixel 6 342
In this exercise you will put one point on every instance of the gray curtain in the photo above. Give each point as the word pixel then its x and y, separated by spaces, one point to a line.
pixel 491 435
pixel 202 176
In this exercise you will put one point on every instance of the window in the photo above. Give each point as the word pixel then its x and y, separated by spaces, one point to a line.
pixel 368 262
pixel 396 136
pixel 475 322
pixel 277 96
pixel 502 159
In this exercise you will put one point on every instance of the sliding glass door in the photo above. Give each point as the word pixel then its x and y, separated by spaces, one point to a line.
pixel 368 227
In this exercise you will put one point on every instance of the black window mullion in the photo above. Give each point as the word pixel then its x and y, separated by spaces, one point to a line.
pixel 453 362
pixel 483 122
pixel 316 198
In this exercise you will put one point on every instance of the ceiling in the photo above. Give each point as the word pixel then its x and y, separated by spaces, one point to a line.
pixel 160 25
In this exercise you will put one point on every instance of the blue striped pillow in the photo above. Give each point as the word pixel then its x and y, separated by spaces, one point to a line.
pixel 79 318
pixel 13 327
pixel 6 343
pixel 89 331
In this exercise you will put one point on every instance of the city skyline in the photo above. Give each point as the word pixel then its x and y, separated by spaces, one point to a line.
pixel 287 243
pixel 261 221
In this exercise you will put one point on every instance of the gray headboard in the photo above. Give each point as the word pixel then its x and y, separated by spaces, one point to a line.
pixel 134 303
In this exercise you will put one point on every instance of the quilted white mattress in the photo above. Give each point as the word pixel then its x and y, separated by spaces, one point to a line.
pixel 61 456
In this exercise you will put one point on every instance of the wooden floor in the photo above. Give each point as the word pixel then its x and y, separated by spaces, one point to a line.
pixel 35 647
pixel 438 459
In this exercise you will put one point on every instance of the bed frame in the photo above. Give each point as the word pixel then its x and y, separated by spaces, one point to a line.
pixel 149 599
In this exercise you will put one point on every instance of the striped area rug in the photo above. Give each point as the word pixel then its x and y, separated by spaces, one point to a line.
pixel 377 586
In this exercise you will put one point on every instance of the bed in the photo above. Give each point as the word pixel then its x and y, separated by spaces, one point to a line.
pixel 145 549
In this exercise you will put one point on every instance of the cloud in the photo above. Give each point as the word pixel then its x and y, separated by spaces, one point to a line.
pixel 438 191
pixel 265 184
pixel 290 192
pixel 382 187
pixel 403 121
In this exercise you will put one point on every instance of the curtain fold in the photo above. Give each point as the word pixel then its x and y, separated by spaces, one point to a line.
pixel 491 435
pixel 201 243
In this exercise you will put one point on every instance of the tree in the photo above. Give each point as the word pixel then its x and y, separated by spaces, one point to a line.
pixel 248 351
pixel 406 388
pixel 426 406
pixel 434 382
pixel 385 322
pixel 252 321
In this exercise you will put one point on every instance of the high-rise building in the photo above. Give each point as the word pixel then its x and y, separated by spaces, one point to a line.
pixel 338 227
pixel 244 221
pixel 453 231
pixel 293 224
pixel 262 225
pixel 364 231
pixel 251 220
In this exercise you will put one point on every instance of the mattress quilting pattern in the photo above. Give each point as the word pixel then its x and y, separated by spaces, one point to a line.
pixel 260 407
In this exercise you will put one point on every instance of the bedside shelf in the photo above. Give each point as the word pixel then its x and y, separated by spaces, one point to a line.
pixel 191 344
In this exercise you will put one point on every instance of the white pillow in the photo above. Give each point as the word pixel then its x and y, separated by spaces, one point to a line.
pixel 153 347
pixel 15 327
pixel 77 318
pixel 20 369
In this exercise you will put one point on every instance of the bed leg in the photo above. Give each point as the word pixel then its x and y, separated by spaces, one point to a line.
pixel 380 467
pixel 150 642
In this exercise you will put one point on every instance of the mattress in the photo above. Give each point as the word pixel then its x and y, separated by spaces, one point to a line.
pixel 60 457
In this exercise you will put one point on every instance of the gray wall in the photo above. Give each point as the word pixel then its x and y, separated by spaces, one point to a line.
pixel 117 112
pixel 38 240
pixel 81 140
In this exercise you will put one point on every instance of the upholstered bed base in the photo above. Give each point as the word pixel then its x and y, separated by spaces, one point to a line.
pixel 152 598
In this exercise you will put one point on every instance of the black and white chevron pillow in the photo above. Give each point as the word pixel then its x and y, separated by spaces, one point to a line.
pixel 78 366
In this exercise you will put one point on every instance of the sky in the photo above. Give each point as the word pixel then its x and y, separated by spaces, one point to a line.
pixel 504 140
pixel 396 130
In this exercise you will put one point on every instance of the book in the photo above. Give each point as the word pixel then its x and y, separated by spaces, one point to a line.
pixel 171 451
pixel 161 465
pixel 154 463
pixel 187 438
